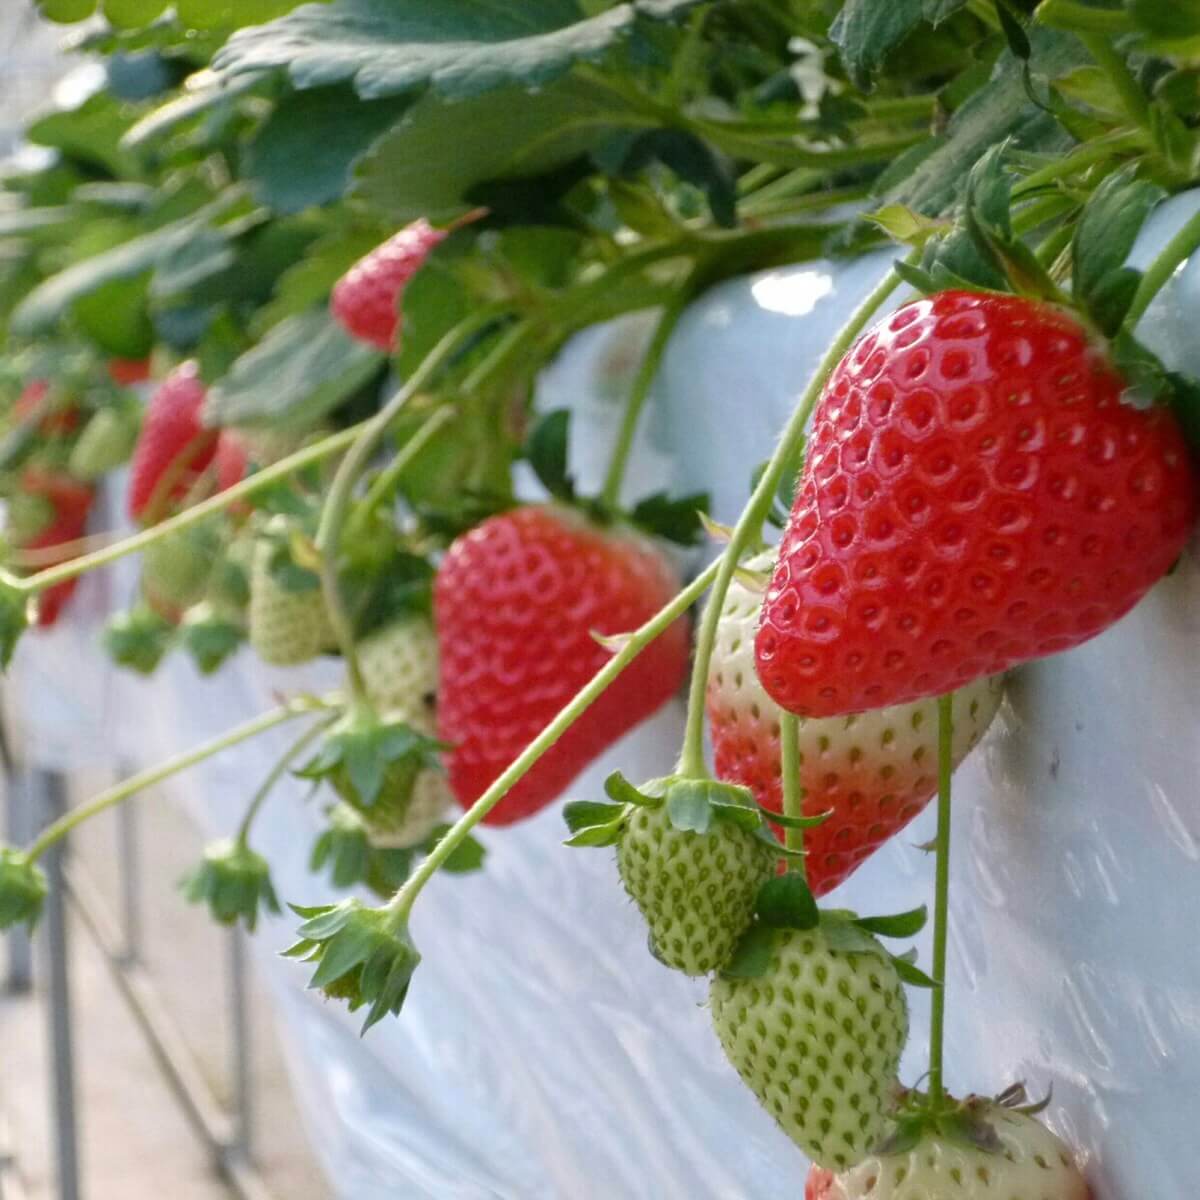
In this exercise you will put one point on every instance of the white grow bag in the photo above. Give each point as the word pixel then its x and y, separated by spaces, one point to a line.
pixel 544 1055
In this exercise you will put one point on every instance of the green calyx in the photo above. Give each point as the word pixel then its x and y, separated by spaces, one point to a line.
pixel 209 637
pixel 919 1116
pixel 138 639
pixel 786 902
pixel 692 806
pixel 22 889
pixel 363 956
pixel 346 849
pixel 233 882
pixel 370 760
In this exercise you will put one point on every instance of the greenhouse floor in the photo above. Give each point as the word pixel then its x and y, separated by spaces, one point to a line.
pixel 134 1139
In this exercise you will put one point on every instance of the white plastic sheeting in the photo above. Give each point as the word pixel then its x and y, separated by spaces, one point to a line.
pixel 544 1055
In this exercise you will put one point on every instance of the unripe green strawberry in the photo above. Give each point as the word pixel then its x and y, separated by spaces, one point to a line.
pixel 817 1037
pixel 176 569
pixel 692 854
pixel 106 442
pixel 1027 1162
pixel 399 664
pixel 286 627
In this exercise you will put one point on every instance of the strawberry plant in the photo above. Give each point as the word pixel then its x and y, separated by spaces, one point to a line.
pixel 338 260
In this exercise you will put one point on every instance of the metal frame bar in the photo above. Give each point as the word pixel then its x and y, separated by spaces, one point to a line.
pixel 228 1135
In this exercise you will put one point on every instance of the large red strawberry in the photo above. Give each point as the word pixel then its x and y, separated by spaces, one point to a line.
pixel 69 503
pixel 872 772
pixel 516 601
pixel 174 448
pixel 977 493
pixel 365 299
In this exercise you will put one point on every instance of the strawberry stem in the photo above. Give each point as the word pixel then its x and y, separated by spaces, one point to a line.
pixel 333 514
pixel 385 483
pixel 1129 91
pixel 1176 252
pixel 941 907
pixel 793 790
pixel 275 774
pixel 646 374
pixel 749 526
pixel 143 779
pixel 401 904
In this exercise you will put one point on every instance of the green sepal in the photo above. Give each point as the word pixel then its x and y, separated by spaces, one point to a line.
pixel 751 958
pixel 138 639
pixel 787 822
pixel 675 519
pixel 693 805
pixel 620 790
pixel 897 925
pixel 585 814
pixel 910 973
pixel 918 279
pixel 209 638
pixel 22 889
pixel 467 856
pixel 362 751
pixel 345 848
pixel 362 955
pixel 787 902
pixel 14 619
pixel 233 882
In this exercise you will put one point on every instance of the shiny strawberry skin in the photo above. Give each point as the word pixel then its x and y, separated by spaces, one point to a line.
pixel 171 433
pixel 976 494
pixel 872 773
pixel 364 300
pixel 515 602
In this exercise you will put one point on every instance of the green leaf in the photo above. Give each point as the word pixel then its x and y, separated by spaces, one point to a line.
pixel 1109 300
pixel 898 925
pixel 14 618
pixel 693 161
pixel 786 902
pixel 138 639
pixel 66 11
pixel 937 11
pixel 303 154
pixel 302 369
pixel 677 520
pixel 459 48
pixel 189 106
pixel 867 31
pixel 902 224
pixel 90 134
pixel 752 957
pixel 512 134
pixel 546 450
pixel 231 14
pixel 931 182
pixel 1014 33
pixel 1107 229
pixel 467 856
pixel 124 263
pixel 1168 19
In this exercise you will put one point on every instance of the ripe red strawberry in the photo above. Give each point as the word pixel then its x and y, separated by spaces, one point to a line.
pixel 365 299
pixel 70 503
pixel 174 448
pixel 128 371
pixel 976 494
pixel 516 601
pixel 873 772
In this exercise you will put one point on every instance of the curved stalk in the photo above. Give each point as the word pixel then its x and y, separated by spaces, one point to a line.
pixel 401 904
pixel 749 526
pixel 333 514
pixel 143 779
pixel 1174 254
pixel 941 906
pixel 275 774
pixel 793 790
pixel 646 373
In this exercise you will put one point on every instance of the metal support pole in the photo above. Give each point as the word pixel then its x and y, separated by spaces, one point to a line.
pixel 49 788
pixel 18 831
pixel 241 1048
pixel 130 871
